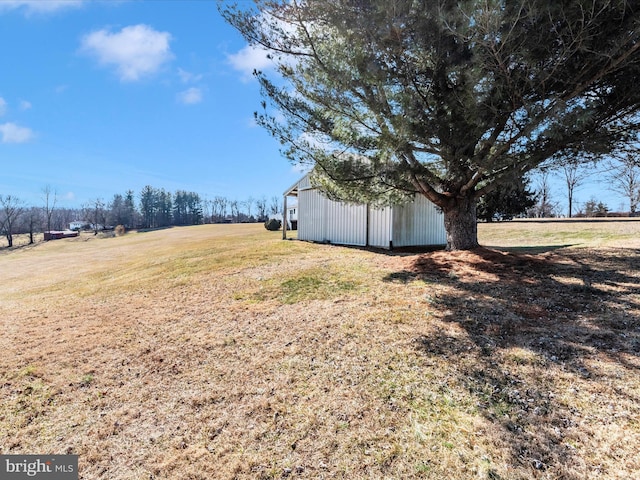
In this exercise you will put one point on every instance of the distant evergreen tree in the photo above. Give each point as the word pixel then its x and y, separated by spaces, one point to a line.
pixel 595 208
pixel 187 208
pixel 164 208
pixel 147 207
pixel 180 209
pixel 195 209
pixel 507 201
pixel 130 212
pixel 116 211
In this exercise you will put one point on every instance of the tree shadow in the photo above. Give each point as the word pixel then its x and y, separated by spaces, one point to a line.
pixel 424 249
pixel 558 304
pixel 532 250
pixel 153 229
pixel 562 310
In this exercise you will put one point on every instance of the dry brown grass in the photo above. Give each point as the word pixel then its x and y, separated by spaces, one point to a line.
pixel 224 352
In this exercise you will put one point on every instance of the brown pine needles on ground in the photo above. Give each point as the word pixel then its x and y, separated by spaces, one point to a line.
pixel 224 352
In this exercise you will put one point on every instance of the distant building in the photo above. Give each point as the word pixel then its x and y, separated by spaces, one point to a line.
pixel 58 234
pixel 77 225
pixel 292 217
pixel 80 225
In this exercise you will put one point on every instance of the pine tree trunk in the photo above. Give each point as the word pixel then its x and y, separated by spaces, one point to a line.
pixel 461 224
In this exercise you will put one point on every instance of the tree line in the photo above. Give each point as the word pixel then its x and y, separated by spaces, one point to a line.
pixel 151 208
pixel 532 196
pixel 157 207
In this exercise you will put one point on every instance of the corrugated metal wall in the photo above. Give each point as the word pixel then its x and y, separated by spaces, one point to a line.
pixel 304 183
pixel 323 220
pixel 380 227
pixel 346 223
pixel 418 223
pixel 311 216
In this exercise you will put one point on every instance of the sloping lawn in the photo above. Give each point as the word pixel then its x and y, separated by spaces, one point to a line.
pixel 224 352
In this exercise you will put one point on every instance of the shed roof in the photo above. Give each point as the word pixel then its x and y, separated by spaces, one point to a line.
pixel 292 191
pixel 303 183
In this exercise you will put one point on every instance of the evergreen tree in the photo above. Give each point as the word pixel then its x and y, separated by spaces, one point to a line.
pixel 116 211
pixel 449 100
pixel 147 206
pixel 507 202
pixel 595 208
pixel 130 213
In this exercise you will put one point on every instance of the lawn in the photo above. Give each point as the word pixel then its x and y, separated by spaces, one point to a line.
pixel 221 351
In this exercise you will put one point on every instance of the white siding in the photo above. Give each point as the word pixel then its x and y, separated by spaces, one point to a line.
pixel 346 223
pixel 304 183
pixel 323 220
pixel 311 216
pixel 380 227
pixel 418 223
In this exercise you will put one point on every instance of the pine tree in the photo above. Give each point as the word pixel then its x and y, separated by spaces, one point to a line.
pixel 507 202
pixel 450 100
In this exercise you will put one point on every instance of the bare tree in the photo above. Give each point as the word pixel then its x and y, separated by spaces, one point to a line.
pixel 544 207
pixel 220 205
pixel 31 219
pixel 10 210
pixel 62 216
pixel 50 199
pixel 574 173
pixel 624 178
pixel 95 212
pixel 261 205
pixel 207 209
pixel 274 206
pixel 248 204
pixel 235 211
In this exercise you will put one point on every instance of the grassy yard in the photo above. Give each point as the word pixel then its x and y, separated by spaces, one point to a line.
pixel 224 352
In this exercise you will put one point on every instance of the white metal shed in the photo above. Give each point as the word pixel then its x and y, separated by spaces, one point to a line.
pixel 418 223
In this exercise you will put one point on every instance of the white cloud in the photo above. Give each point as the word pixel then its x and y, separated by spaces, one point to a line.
pixel 190 96
pixel 250 58
pixel 25 105
pixel 3 106
pixel 12 133
pixel 256 57
pixel 69 196
pixel 135 51
pixel 188 77
pixel 39 6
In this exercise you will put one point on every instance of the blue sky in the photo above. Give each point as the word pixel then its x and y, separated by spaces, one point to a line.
pixel 99 97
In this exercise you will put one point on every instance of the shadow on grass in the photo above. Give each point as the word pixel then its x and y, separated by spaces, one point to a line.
pixel 412 251
pixel 563 311
pixel 532 250
pixel 153 229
